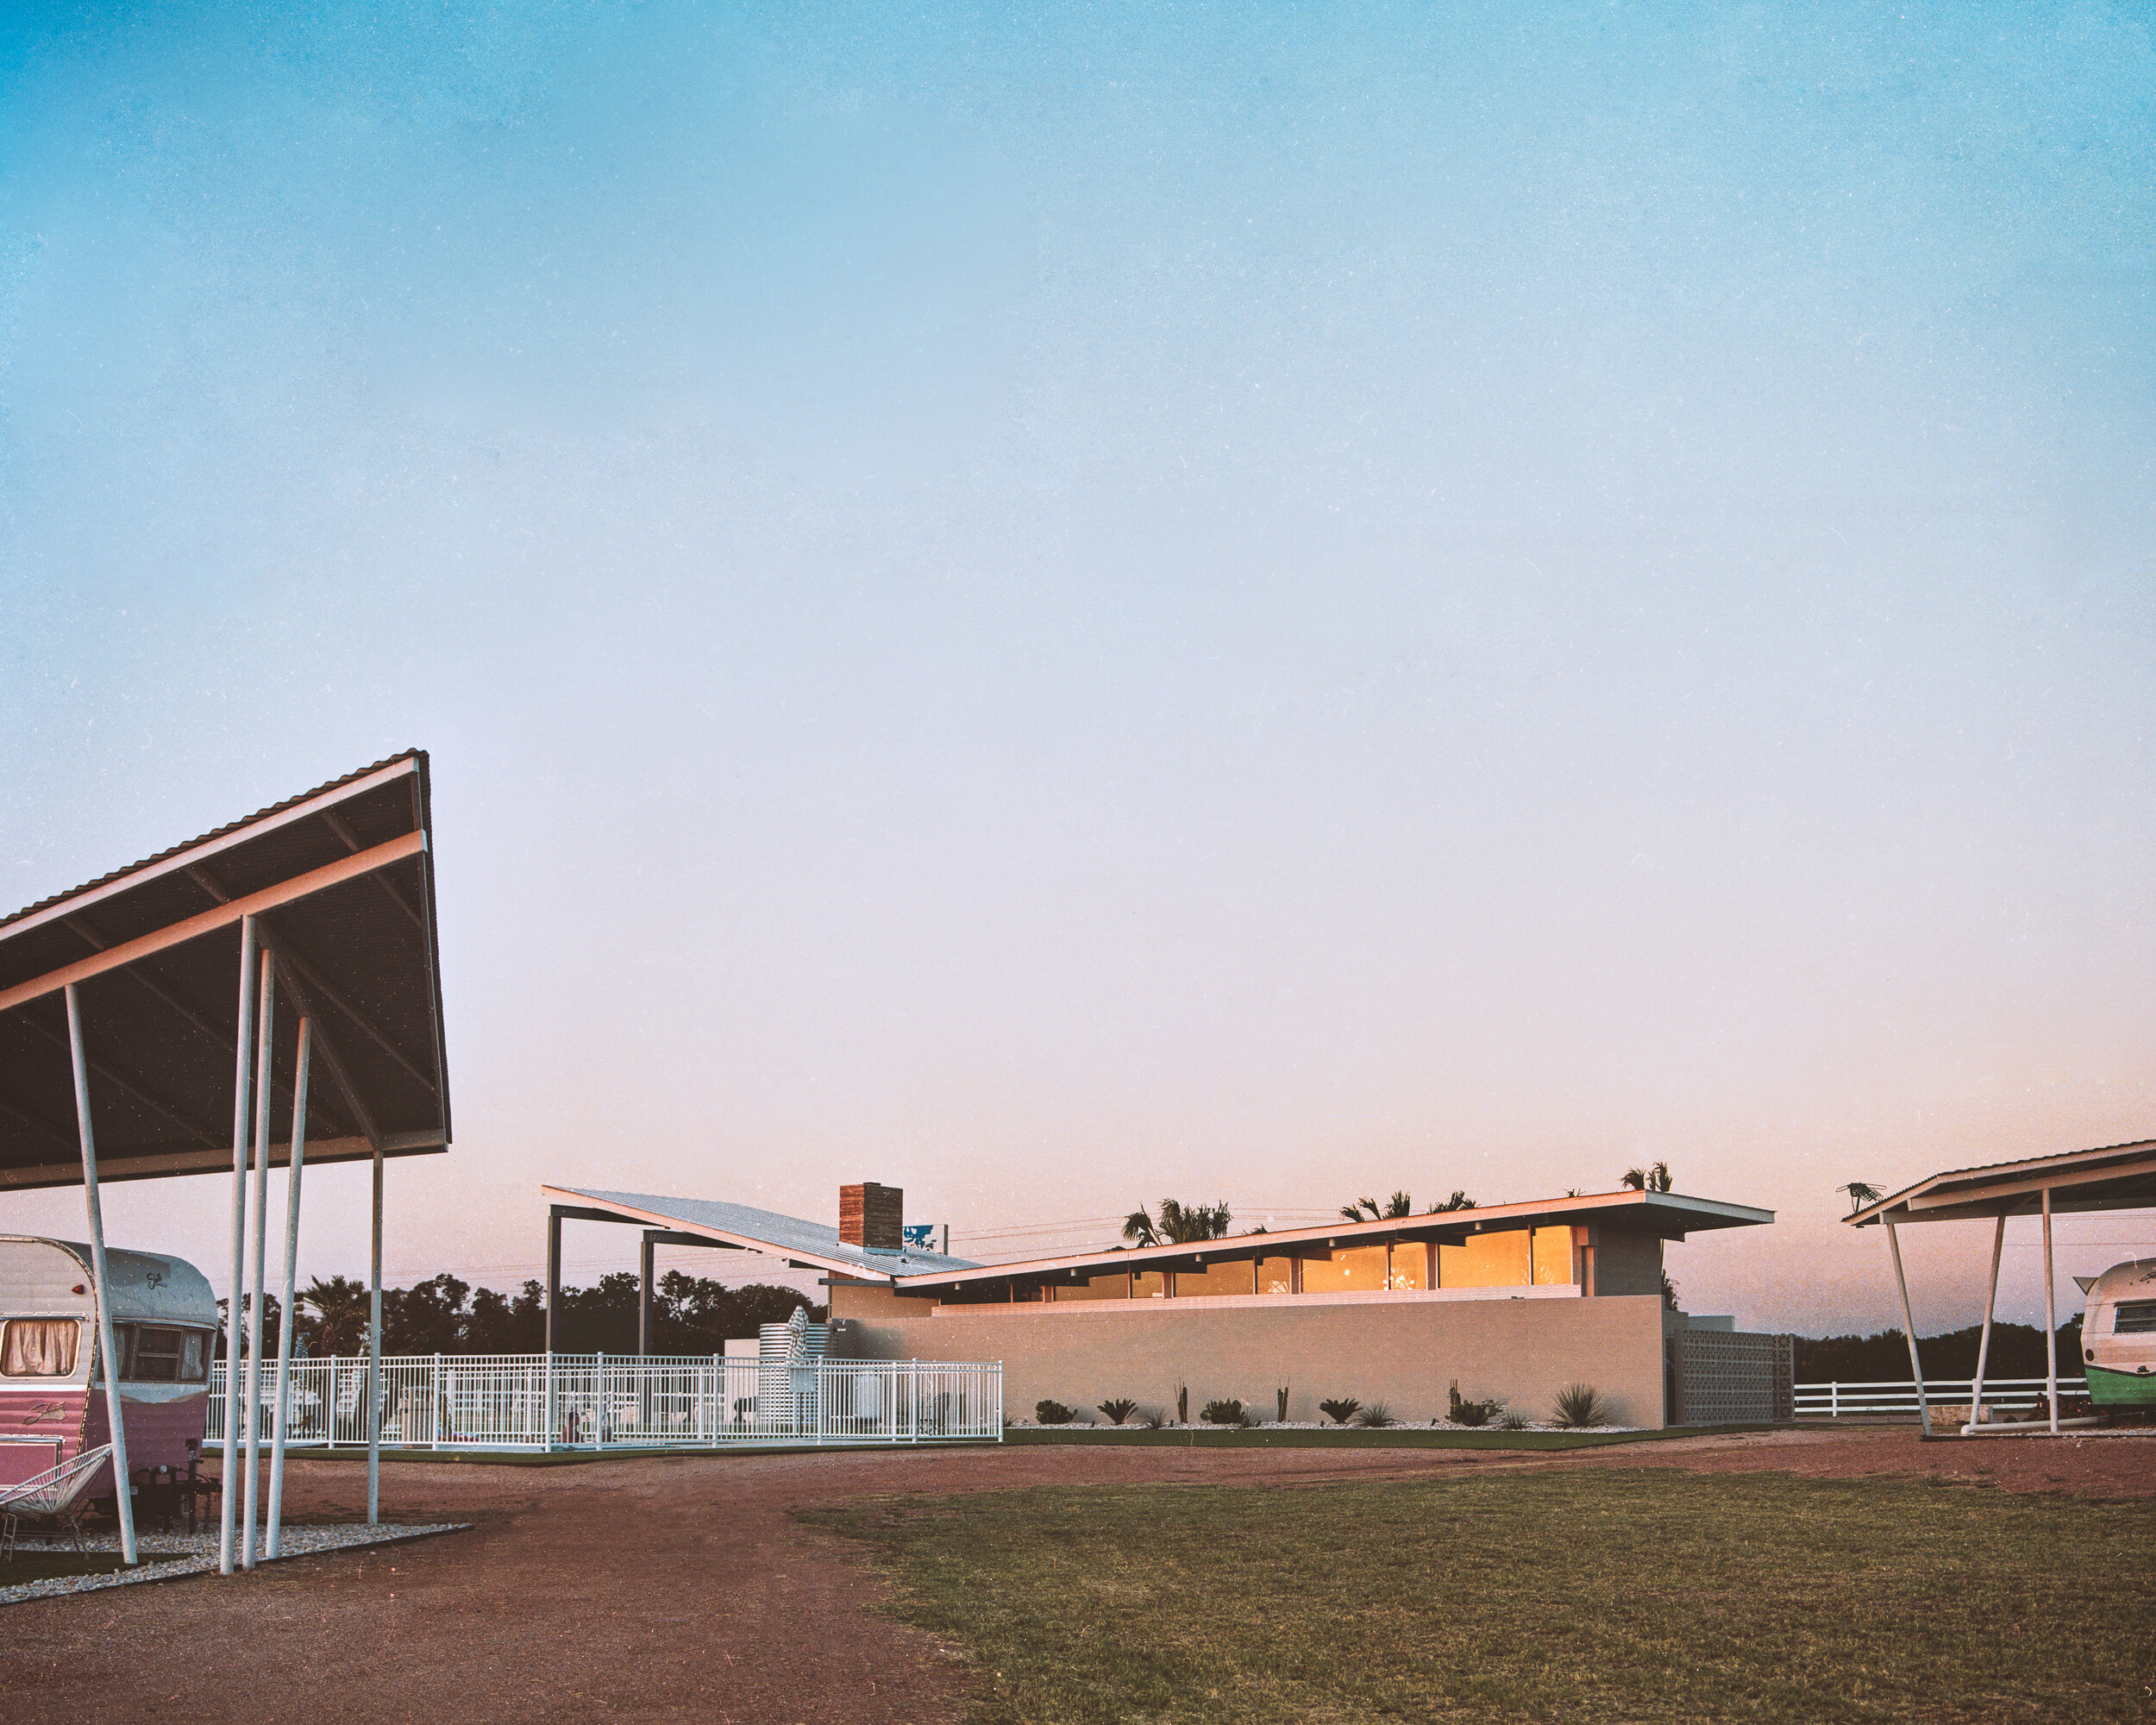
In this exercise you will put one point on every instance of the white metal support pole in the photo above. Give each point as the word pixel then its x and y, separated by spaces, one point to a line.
pixel 291 1255
pixel 375 1355
pixel 265 1047
pixel 1983 1347
pixel 2051 1325
pixel 227 1504
pixel 108 1355
pixel 1909 1320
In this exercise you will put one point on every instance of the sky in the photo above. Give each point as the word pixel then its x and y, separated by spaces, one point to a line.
pixel 1053 607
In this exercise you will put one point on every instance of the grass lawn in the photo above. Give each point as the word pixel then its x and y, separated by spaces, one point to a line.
pixel 1630 1595
pixel 29 1565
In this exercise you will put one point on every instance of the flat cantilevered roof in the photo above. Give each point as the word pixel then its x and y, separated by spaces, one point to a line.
pixel 1666 1215
pixel 341 884
pixel 811 1245
pixel 2119 1176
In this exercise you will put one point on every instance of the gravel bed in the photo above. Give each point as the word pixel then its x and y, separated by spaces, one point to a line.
pixel 166 1555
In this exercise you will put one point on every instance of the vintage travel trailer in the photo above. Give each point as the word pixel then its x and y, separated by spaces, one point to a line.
pixel 52 1383
pixel 2118 1336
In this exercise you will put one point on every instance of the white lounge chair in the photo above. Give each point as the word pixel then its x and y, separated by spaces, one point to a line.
pixel 52 1495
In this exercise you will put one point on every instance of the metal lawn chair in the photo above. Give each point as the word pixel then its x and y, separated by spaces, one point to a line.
pixel 53 1495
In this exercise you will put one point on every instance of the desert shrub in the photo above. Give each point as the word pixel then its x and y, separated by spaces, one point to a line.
pixel 1119 1410
pixel 1465 1413
pixel 1579 1405
pixel 1053 1414
pixel 1376 1416
pixel 1510 1421
pixel 1223 1413
pixel 1339 1410
pixel 1152 1418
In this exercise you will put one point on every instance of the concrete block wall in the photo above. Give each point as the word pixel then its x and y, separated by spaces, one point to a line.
pixel 1403 1352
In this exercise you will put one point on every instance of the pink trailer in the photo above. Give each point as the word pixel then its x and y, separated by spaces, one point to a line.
pixel 52 1383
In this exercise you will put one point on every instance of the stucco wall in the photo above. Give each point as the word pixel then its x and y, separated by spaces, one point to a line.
pixel 1403 1352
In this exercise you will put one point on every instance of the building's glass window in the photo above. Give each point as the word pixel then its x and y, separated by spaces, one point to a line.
pixel 1233 1277
pixel 1277 1276
pixel 1115 1287
pixel 1553 1257
pixel 1411 1264
pixel 40 1347
pixel 1149 1284
pixel 1495 1260
pixel 156 1354
pixel 1352 1269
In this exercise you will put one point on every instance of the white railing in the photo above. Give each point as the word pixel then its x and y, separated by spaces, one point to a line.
pixel 555 1402
pixel 1842 1400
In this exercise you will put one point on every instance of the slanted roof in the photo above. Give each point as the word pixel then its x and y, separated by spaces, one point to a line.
pixel 2119 1176
pixel 1665 1215
pixel 341 883
pixel 810 1245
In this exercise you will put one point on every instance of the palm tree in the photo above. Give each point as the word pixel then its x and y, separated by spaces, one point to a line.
pixel 1654 1179
pixel 1860 1194
pixel 1458 1200
pixel 342 1307
pixel 1178 1225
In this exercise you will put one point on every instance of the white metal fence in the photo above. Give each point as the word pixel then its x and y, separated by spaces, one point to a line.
pixel 553 1402
pixel 1840 1400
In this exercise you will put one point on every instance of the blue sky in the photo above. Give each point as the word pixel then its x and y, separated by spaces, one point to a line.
pixel 1056 607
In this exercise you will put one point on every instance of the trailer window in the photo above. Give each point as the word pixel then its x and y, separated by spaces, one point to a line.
pixel 2133 1318
pixel 156 1354
pixel 40 1347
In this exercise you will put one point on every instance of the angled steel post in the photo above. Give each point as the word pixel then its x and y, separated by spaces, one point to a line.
pixel 374 1353
pixel 243 1068
pixel 265 1047
pixel 292 1254
pixel 122 1484
pixel 2051 1325
pixel 1909 1320
pixel 1983 1347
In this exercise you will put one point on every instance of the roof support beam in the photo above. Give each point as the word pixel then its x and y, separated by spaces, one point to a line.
pixel 210 1028
pixel 323 1046
pixel 350 840
pixel 240 832
pixel 292 962
pixel 126 1087
pixel 209 921
pixel 1969 1192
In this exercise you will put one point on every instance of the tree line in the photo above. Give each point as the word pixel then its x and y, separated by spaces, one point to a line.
pixel 690 1315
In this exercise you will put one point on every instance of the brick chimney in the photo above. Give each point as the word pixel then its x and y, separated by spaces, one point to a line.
pixel 871 1216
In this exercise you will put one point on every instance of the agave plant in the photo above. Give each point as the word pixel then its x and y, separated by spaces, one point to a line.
pixel 1119 1410
pixel 1579 1404
pixel 1376 1417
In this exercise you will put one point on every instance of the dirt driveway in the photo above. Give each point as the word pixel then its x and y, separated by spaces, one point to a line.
pixel 681 1590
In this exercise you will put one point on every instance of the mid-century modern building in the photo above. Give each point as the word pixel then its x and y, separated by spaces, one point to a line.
pixel 1512 1302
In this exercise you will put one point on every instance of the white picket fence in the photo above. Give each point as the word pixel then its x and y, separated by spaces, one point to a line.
pixel 1842 1400
pixel 556 1402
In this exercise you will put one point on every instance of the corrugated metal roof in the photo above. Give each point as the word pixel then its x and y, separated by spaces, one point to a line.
pixel 769 1231
pixel 214 834
pixel 1987 1183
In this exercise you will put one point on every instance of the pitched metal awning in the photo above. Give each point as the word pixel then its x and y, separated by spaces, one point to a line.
pixel 340 883
pixel 2120 1176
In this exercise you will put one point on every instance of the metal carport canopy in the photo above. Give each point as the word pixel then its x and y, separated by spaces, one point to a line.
pixel 341 883
pixel 2119 1176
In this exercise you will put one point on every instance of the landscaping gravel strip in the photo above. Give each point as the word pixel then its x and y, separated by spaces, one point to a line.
pixel 164 1556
